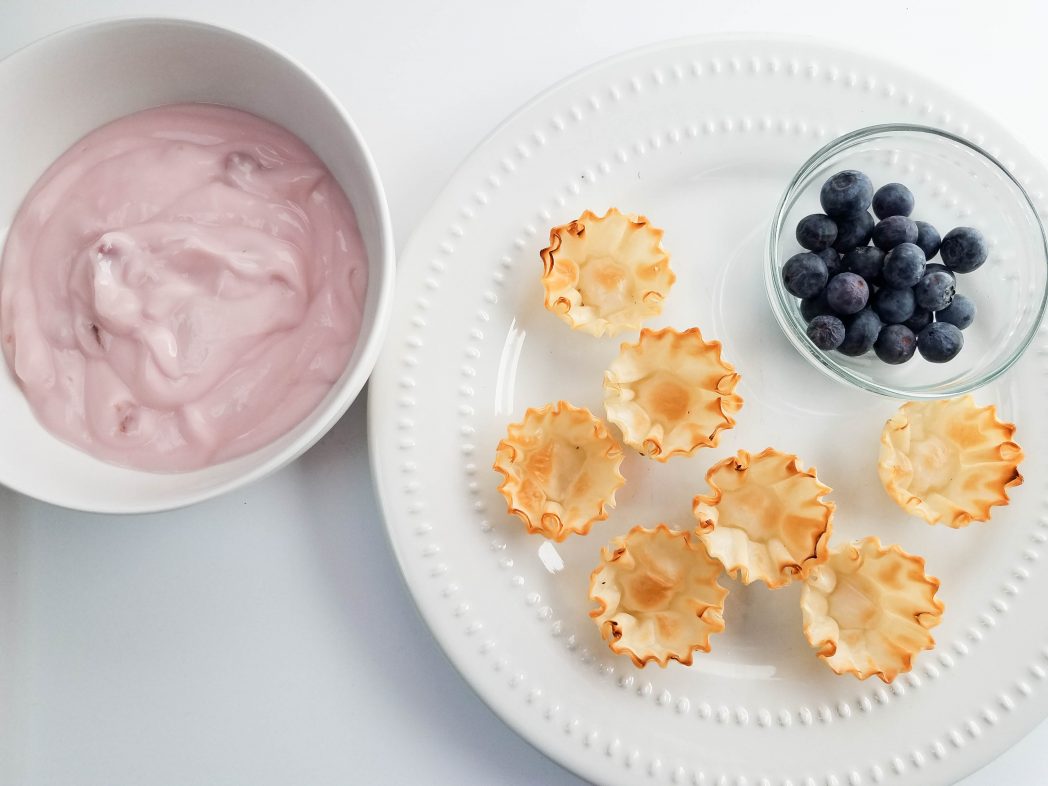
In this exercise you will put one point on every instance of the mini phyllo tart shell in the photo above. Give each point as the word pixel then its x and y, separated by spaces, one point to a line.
pixel 949 461
pixel 605 274
pixel 868 609
pixel 560 470
pixel 765 518
pixel 671 393
pixel 658 597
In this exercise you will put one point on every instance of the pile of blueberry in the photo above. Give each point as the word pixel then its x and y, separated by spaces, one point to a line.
pixel 886 297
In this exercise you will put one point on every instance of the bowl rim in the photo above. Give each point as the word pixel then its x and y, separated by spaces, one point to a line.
pixel 779 299
pixel 365 353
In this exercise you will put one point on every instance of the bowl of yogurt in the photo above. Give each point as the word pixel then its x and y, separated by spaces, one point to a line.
pixel 197 264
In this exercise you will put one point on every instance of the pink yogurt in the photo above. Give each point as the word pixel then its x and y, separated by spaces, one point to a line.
pixel 181 287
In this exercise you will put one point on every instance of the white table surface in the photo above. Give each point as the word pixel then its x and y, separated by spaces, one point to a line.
pixel 267 637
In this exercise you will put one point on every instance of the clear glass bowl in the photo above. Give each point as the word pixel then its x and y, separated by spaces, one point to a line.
pixel 955 183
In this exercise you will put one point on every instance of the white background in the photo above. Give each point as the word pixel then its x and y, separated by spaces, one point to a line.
pixel 267 638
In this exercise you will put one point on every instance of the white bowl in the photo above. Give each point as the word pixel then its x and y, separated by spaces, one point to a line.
pixel 61 87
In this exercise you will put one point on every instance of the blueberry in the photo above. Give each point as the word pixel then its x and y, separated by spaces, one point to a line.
pixel 892 231
pixel 865 261
pixel 816 232
pixel 860 333
pixel 921 317
pixel 847 293
pixel 934 266
pixel 804 274
pixel 895 344
pixel 927 238
pixel 904 266
pixel 832 260
pixel 853 231
pixel 826 332
pixel 894 306
pixel 893 199
pixel 812 307
pixel 847 193
pixel 963 249
pixel 960 313
pixel 935 291
pixel 940 342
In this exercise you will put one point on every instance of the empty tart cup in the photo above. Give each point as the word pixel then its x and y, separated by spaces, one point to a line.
pixel 765 518
pixel 606 274
pixel 868 609
pixel 671 393
pixel 658 596
pixel 560 470
pixel 949 461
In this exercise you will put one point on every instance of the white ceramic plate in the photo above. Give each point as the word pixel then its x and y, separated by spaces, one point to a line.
pixel 702 137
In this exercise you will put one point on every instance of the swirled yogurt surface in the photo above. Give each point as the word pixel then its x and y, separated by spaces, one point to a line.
pixel 181 287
